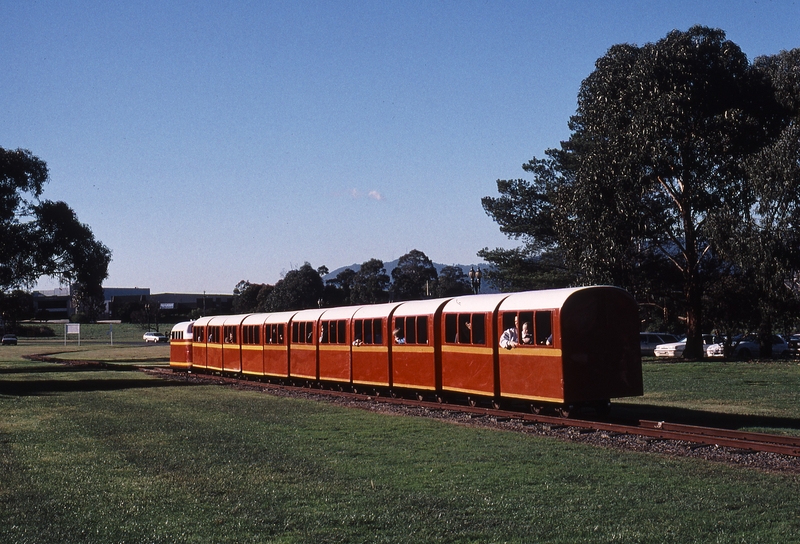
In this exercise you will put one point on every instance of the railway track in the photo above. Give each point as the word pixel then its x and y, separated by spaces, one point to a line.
pixel 652 430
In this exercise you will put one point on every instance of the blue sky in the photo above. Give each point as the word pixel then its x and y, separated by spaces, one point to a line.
pixel 211 142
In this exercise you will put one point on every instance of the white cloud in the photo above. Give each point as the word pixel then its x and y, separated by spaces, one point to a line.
pixel 375 195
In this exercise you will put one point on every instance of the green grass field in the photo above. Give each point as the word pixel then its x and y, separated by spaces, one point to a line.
pixel 113 455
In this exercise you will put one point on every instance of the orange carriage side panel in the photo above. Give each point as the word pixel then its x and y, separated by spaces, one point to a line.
pixel 414 367
pixel 180 354
pixel 214 356
pixel 533 373
pixel 334 362
pixel 253 359
pixel 468 369
pixel 199 355
pixel 303 363
pixel 371 365
pixel 276 360
pixel 231 358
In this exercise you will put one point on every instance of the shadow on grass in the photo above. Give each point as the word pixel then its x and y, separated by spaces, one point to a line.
pixel 635 412
pixel 67 369
pixel 24 388
pixel 106 379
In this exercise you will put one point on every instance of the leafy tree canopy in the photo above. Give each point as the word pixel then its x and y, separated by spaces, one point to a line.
pixel 414 276
pixel 44 238
pixel 298 290
pixel 665 164
pixel 370 283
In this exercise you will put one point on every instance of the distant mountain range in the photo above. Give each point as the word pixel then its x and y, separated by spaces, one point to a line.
pixel 391 265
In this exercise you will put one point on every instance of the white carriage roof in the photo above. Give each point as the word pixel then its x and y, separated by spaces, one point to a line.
pixel 475 303
pixel 308 315
pixel 255 319
pixel 184 326
pixel 280 317
pixel 375 310
pixel 419 307
pixel 343 312
pixel 544 299
pixel 202 321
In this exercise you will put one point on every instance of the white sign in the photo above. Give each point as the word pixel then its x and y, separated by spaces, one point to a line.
pixel 72 328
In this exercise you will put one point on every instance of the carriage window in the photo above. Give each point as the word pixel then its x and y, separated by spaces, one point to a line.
pixel 544 328
pixel 535 328
pixel 422 329
pixel 250 334
pixel 413 328
pixel 451 328
pixel 274 334
pixel 229 334
pixel 479 329
pixel 200 334
pixel 465 329
pixel 368 331
pixel 333 332
pixel 303 332
pixel 341 332
pixel 214 335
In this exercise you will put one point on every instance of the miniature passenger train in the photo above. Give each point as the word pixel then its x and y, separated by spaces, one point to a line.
pixel 581 347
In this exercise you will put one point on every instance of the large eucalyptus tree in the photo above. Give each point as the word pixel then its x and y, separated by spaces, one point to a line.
pixel 659 169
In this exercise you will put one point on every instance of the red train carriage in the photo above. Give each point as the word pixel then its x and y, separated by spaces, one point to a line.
pixel 231 342
pixel 416 363
pixel 200 343
pixel 252 344
pixel 469 346
pixel 334 344
pixel 276 344
pixel 303 344
pixel 371 364
pixel 180 346
pixel 582 346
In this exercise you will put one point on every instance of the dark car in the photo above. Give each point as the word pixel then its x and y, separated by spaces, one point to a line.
pixel 9 340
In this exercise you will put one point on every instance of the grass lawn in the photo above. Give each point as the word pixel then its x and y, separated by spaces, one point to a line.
pixel 117 456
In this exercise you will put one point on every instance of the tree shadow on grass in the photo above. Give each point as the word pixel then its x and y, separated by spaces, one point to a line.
pixel 68 369
pixel 635 412
pixel 107 379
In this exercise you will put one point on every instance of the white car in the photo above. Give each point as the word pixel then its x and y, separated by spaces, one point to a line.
pixel 649 340
pixel 748 346
pixel 156 337
pixel 675 349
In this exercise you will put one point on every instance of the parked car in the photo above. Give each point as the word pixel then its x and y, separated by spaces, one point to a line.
pixel 156 337
pixel 675 349
pixel 9 340
pixel 649 340
pixel 746 347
